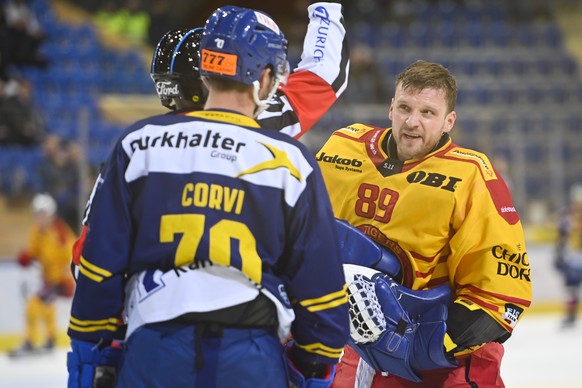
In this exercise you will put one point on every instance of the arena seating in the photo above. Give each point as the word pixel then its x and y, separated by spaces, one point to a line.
pixel 519 97
pixel 519 88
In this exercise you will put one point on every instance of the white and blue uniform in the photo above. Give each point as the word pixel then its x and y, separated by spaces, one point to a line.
pixel 190 192
pixel 214 182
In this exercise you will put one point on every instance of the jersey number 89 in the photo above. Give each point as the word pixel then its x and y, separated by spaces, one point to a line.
pixel 374 203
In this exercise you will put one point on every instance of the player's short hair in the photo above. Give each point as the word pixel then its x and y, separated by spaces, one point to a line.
pixel 423 74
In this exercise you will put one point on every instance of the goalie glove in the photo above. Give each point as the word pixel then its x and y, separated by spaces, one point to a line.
pixel 93 366
pixel 395 329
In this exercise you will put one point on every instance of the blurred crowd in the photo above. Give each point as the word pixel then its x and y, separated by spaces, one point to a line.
pixel 21 124
pixel 139 21
pixel 59 165
pixel 20 38
pixel 143 22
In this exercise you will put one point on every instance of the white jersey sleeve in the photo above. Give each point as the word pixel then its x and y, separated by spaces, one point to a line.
pixel 319 78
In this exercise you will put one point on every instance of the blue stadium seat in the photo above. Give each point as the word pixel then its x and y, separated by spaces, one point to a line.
pixel 498 34
pixel 549 35
pixel 445 34
pixel 419 35
pixel 365 33
pixel 392 35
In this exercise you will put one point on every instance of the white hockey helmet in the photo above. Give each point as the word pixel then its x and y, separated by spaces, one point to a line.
pixel 43 202
pixel 576 192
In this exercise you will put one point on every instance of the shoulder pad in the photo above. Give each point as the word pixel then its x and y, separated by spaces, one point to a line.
pixel 477 158
pixel 356 130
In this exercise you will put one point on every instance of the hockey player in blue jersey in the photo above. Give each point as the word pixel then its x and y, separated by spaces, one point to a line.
pixel 311 89
pixel 211 235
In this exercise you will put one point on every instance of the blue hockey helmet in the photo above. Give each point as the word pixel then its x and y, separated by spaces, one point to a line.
pixel 175 68
pixel 238 43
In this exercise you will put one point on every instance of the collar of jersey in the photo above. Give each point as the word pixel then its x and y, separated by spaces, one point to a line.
pixel 225 117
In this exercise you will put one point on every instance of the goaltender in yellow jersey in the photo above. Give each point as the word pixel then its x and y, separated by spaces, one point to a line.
pixel 445 213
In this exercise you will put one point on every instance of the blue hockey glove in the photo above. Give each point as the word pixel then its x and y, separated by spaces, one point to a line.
pixel 91 366
pixel 298 380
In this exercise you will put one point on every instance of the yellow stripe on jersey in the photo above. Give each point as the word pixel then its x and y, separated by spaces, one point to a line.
pixel 326 302
pixel 280 159
pixel 92 271
pixel 482 161
pixel 109 324
pixel 321 349
pixel 225 117
pixel 355 130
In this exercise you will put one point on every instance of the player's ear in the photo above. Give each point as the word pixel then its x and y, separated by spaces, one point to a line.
pixel 390 109
pixel 450 121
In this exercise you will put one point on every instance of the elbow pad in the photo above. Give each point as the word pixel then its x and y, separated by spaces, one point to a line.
pixel 468 328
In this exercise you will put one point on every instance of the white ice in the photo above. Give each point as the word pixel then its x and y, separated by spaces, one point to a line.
pixel 540 354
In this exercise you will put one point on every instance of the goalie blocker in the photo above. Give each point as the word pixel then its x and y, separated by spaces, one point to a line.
pixel 392 328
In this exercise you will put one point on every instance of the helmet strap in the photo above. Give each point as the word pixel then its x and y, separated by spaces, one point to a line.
pixel 263 104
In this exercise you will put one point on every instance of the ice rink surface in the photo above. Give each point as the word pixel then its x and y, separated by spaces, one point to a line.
pixel 540 354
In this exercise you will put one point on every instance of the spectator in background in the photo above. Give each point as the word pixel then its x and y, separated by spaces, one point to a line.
pixel 129 21
pixel 137 22
pixel 69 199
pixel 25 34
pixel 367 84
pixel 501 164
pixel 162 19
pixel 108 17
pixel 4 46
pixel 568 258
pixel 49 243
pixel 20 122
pixel 58 179
pixel 5 135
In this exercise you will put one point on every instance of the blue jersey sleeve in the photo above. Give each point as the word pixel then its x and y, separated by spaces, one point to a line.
pixel 105 254
pixel 317 285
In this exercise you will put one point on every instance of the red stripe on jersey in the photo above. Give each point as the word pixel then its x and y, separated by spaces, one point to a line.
pixel 435 282
pixel 479 302
pixel 417 256
pixel 497 189
pixel 422 275
pixel 78 246
pixel 506 298
pixel 310 96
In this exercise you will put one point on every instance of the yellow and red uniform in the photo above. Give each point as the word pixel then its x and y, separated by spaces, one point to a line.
pixel 448 217
pixel 51 248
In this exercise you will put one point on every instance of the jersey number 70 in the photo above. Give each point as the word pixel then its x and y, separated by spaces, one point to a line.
pixel 192 228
